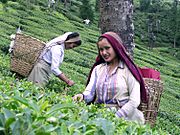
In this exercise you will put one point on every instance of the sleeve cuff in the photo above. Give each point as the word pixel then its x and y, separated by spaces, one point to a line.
pixel 83 95
pixel 118 114
pixel 121 113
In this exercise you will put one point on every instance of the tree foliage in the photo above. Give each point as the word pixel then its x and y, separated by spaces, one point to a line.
pixel 86 10
pixel 3 1
pixel 144 5
pixel 165 22
pixel 97 5
pixel 151 6
pixel 175 21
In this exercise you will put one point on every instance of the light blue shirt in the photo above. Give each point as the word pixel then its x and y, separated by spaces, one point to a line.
pixel 54 56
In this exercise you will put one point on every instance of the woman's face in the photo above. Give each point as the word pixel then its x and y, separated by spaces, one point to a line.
pixel 70 45
pixel 106 50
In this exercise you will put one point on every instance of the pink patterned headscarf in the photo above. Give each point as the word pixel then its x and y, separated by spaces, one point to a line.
pixel 118 47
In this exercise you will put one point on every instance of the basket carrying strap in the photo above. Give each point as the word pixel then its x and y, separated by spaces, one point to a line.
pixel 45 50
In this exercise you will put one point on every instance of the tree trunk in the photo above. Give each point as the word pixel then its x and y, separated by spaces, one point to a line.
pixel 66 3
pixel 175 7
pixel 174 44
pixel 116 16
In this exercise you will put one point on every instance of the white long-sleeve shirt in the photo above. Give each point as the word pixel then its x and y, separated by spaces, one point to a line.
pixel 120 87
pixel 53 53
pixel 54 56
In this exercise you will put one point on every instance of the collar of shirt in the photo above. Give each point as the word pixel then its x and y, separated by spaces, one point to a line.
pixel 121 66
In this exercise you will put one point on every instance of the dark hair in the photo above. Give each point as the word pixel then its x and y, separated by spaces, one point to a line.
pixel 78 42
pixel 72 35
pixel 100 39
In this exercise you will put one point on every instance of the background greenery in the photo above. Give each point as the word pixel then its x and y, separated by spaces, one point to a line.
pixel 27 109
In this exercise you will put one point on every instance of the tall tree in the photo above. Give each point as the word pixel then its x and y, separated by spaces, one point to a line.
pixel 174 20
pixel 97 5
pixel 86 10
pixel 144 5
pixel 116 15
pixel 4 2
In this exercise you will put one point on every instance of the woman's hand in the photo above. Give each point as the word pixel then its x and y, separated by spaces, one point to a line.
pixel 70 82
pixel 78 97
pixel 65 79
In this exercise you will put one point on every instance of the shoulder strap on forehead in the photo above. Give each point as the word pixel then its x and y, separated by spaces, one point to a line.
pixel 114 40
pixel 59 39
pixel 115 35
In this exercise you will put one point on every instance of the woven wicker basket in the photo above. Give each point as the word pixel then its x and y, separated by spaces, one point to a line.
pixel 150 109
pixel 26 51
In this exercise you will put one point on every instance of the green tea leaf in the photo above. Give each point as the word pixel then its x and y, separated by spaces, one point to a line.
pixel 59 107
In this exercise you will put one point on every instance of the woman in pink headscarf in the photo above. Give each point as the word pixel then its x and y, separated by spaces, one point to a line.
pixel 114 80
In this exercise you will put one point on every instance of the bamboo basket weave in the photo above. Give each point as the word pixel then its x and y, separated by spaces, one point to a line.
pixel 26 51
pixel 150 109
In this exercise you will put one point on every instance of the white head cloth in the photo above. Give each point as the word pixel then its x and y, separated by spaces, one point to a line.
pixel 59 40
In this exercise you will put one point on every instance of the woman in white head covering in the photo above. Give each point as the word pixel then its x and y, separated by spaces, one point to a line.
pixel 52 57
